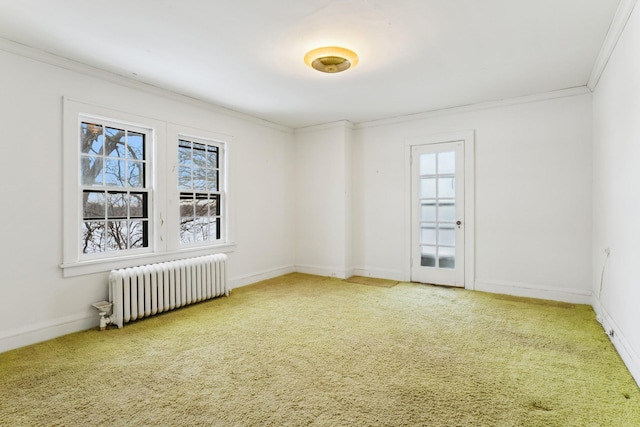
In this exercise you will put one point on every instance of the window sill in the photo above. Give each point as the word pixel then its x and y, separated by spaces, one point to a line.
pixel 103 265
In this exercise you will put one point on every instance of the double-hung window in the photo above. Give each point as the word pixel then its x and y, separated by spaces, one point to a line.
pixel 139 190
pixel 201 184
pixel 115 187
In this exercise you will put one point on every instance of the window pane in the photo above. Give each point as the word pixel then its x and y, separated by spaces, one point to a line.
pixel 447 162
pixel 427 164
pixel 184 153
pixel 136 174
pixel 446 210
pixel 135 145
pixel 213 232
pixel 202 205
pixel 428 256
pixel 93 240
pixel 114 146
pixel 91 170
pixel 212 157
pixel 117 205
pixel 199 178
pixel 427 188
pixel 137 205
pixel 115 173
pixel 186 226
pixel 187 205
pixel 138 234
pixel 446 257
pixel 205 229
pixel 200 230
pixel 184 178
pixel 446 236
pixel 92 140
pixel 428 234
pixel 200 155
pixel 117 232
pixel 446 187
pixel 212 180
pixel 93 204
pixel 427 211
pixel 214 204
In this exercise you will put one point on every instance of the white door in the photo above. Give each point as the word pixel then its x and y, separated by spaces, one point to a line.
pixel 437 215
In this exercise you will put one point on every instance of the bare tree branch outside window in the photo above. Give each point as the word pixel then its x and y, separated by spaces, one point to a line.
pixel 199 168
pixel 114 194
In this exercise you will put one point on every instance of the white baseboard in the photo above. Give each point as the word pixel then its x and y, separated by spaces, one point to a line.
pixel 237 282
pixel 628 355
pixel 379 273
pixel 317 270
pixel 47 330
pixel 324 271
pixel 534 291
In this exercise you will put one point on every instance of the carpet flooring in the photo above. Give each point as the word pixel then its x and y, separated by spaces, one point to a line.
pixel 303 350
pixel 372 281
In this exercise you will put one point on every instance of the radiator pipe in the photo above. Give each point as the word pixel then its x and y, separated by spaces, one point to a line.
pixel 104 309
pixel 104 320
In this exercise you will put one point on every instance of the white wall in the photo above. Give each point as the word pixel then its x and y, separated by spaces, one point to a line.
pixel 616 195
pixel 331 199
pixel 36 302
pixel 533 202
pixel 323 200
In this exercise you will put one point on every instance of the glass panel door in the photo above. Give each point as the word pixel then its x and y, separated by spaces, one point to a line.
pixel 437 200
pixel 437 209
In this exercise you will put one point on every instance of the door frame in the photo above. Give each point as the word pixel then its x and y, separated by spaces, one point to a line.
pixel 468 140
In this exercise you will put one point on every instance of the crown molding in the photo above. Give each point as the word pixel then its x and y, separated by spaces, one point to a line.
pixel 620 19
pixel 545 96
pixel 343 124
pixel 79 67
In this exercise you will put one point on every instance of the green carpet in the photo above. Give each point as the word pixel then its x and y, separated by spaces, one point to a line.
pixel 372 281
pixel 305 350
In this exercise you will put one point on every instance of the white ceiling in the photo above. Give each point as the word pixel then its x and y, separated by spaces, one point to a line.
pixel 247 55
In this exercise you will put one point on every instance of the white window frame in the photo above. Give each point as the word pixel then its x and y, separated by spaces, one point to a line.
pixel 176 132
pixel 220 192
pixel 162 182
pixel 147 188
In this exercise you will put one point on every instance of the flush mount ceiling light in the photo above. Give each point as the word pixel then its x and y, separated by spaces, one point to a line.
pixel 331 59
